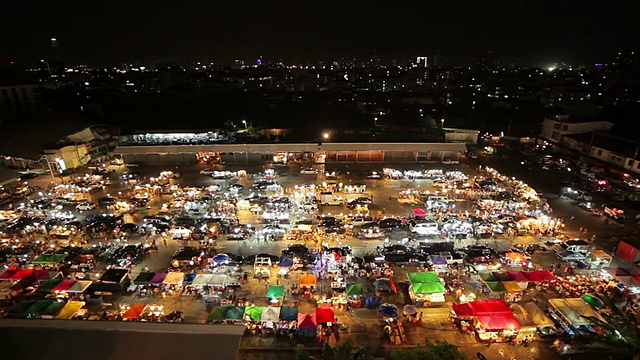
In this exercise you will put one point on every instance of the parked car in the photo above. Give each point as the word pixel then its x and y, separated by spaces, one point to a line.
pixel 389 223
pixel 207 171
pixel 450 161
pixel 308 171
pixel 85 206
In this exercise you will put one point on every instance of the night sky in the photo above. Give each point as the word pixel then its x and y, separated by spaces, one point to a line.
pixel 525 32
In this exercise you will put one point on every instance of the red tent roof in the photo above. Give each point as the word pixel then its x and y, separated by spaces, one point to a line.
pixel 487 307
pixel 134 312
pixel 518 276
pixel 64 285
pixel 532 276
pixel 498 322
pixel 463 310
pixel 546 275
pixel 21 274
pixel 8 274
pixel 306 321
pixel 325 315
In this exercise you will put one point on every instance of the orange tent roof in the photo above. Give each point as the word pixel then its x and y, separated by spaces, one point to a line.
pixel 308 280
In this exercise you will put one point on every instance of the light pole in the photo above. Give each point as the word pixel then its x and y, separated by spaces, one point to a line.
pixel 375 122
pixel 442 122
pixel 245 124
pixel 325 136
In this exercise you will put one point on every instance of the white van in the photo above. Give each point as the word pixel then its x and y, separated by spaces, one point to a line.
pixel 424 228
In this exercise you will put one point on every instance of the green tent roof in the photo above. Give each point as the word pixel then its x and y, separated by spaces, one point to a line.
pixel 49 285
pixel 38 307
pixel 49 259
pixel 355 289
pixel 488 277
pixel 218 313
pixel 144 278
pixel 428 288
pixel 254 312
pixel 54 308
pixel 495 286
pixel 423 277
pixel 235 313
pixel 275 291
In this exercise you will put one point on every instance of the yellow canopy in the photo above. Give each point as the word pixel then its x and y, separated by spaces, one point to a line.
pixel 70 309
pixel 511 286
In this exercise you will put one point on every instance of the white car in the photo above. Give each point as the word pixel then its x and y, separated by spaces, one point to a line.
pixel 450 162
pixel 359 221
pixel 308 171
pixel 85 206
pixel 206 171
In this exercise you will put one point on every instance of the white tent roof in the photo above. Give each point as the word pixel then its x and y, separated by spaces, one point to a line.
pixel 201 279
pixel 80 286
pixel 584 309
pixel 218 280
pixel 270 313
pixel 568 312
pixel 538 316
pixel 173 278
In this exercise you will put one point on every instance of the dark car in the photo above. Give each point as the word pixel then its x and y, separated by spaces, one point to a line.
pixel 129 228
pixel 29 175
pixel 105 201
pixel 389 223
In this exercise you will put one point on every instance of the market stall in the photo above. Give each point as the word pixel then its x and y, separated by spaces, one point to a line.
pixel 355 294
pixel 49 285
pixel 275 294
pixel 289 313
pixel 53 310
pixel 325 315
pixel 63 286
pixel 253 313
pixel 218 314
pixel 70 310
pixel 173 278
pixel 426 289
pixel 218 281
pixel 307 325
pixel 132 312
pixel 544 325
pixel 37 308
pixel 235 314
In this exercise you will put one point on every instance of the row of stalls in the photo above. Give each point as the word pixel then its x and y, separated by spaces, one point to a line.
pixel 492 320
pixel 510 285
pixel 47 309
pixel 575 316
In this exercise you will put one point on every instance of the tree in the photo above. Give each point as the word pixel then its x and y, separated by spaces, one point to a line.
pixel 440 350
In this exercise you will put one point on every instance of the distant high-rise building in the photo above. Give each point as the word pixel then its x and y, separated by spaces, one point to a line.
pixel 55 49
pixel 19 98
pixel 422 61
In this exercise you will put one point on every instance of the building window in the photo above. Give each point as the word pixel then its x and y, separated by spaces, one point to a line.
pixel 600 152
pixel 565 127
pixel 630 163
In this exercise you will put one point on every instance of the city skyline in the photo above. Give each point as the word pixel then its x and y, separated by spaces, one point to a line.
pixel 520 32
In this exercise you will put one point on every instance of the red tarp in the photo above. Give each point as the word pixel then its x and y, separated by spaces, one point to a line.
pixel 21 274
pixel 498 322
pixel 134 312
pixel 39 274
pixel 419 212
pixel 8 274
pixel 325 315
pixel 545 275
pixel 462 310
pixel 306 321
pixel 64 285
pixel 533 276
pixel 488 307
pixel 628 252
pixel 518 276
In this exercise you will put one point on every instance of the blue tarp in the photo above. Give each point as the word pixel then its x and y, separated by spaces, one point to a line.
pixel 188 279
pixel 373 302
pixel 286 262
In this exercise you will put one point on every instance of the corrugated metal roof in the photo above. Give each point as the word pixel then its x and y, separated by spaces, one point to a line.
pixel 115 340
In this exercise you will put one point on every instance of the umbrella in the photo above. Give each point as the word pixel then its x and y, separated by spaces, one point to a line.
pixel 388 310
pixel 592 300
pixel 410 310
pixel 221 258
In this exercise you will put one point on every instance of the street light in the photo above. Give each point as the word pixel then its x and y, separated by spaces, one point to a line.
pixel 325 135
pixel 245 124
pixel 442 122
pixel 375 121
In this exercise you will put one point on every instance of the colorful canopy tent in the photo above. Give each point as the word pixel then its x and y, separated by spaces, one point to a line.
pixel 437 260
pixel 173 278
pixel 496 287
pixel 498 322
pixel 289 313
pixel 584 309
pixel 21 274
pixel 270 313
pixel 285 262
pixel 49 285
pixel 523 318
pixel 325 315
pixel 308 280
pixel 307 325
pixel 546 275
pixel 538 316
pixel 202 279
pixel 485 307
pixel 144 278
pixel 158 278
pixel 52 310
pixel 428 288
pixel 355 290
pixel 518 276
pixel 254 312
pixel 275 291
pixel 218 313
pixel 409 310
pixel 37 308
pixel 69 310
pixel 20 309
pixel 235 313
pixel 134 311
pixel 592 300
pixel 423 277
pixel 218 280
pixel 389 310
pixel 64 285
pixel 188 278
pixel 532 276
pixel 501 276
pixel 80 286
pixel 419 212
pixel 488 277
pixel 511 286
pixel 49 259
